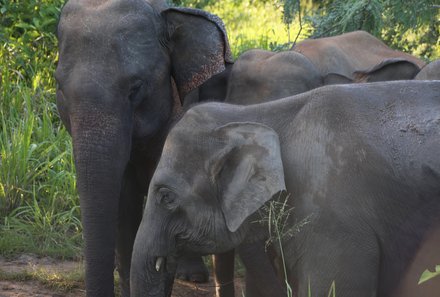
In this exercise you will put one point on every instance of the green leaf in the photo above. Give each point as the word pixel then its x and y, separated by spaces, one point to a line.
pixel 427 275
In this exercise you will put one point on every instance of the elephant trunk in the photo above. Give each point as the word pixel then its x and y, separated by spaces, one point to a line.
pixel 101 149
pixel 154 277
pixel 153 264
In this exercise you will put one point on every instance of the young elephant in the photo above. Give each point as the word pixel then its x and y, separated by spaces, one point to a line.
pixel 360 164
pixel 431 71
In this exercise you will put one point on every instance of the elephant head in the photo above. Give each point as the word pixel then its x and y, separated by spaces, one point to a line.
pixel 260 76
pixel 117 61
pixel 208 183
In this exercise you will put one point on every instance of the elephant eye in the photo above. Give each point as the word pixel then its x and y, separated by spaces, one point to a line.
pixel 167 198
pixel 134 95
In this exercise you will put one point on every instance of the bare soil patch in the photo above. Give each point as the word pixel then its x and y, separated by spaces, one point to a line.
pixel 32 265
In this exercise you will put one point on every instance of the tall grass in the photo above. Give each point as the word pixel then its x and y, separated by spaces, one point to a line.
pixel 38 201
pixel 39 210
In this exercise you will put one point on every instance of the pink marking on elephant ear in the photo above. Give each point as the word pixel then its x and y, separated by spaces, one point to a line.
pixel 177 102
pixel 205 72
pixel 227 50
pixel 213 62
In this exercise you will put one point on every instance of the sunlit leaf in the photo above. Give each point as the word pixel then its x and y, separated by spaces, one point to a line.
pixel 427 275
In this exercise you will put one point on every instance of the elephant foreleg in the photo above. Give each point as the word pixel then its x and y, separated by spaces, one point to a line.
pixel 339 263
pixel 192 268
pixel 224 274
pixel 130 215
pixel 261 278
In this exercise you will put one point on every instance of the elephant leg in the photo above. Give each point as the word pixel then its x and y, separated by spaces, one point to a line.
pixel 192 268
pixel 224 273
pixel 261 277
pixel 130 215
pixel 344 264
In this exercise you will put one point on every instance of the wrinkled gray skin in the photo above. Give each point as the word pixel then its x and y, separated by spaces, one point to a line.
pixel 359 56
pixel 430 72
pixel 360 163
pixel 261 76
pixel 117 60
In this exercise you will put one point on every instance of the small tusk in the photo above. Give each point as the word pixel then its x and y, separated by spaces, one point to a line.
pixel 159 263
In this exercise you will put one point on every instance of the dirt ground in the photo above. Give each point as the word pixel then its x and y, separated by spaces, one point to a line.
pixel 51 268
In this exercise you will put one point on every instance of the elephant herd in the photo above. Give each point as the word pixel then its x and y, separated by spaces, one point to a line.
pixel 343 132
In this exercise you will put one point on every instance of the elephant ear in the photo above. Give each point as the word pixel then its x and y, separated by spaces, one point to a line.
pixel 389 69
pixel 248 170
pixel 198 46
pixel 336 79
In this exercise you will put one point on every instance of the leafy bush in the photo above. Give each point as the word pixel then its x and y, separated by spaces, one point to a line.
pixel 403 25
pixel 28 39
pixel 254 24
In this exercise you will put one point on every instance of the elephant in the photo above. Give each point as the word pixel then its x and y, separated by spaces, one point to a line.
pixel 431 71
pixel 355 165
pixel 118 63
pixel 359 56
pixel 258 75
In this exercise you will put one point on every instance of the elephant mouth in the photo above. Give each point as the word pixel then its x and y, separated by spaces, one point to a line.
pixel 165 263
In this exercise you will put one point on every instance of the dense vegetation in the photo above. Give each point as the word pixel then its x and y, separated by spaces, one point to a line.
pixel 38 203
pixel 39 209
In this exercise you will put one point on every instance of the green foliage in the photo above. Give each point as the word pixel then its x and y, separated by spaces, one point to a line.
pixel 350 15
pixel 254 24
pixel 27 36
pixel 404 25
pixel 290 9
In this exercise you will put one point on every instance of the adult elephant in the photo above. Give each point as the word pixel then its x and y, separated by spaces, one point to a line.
pixel 431 71
pixel 359 56
pixel 117 61
pixel 360 163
